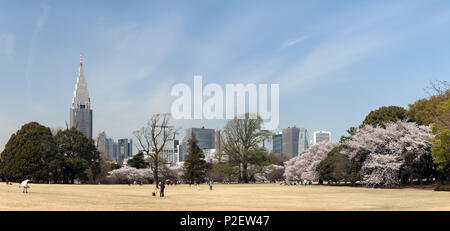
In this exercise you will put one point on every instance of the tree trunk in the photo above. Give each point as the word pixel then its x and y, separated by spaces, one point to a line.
pixel 155 173
pixel 240 173
pixel 244 173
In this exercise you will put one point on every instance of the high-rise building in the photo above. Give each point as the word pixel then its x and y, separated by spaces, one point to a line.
pixel 116 151
pixel 290 141
pixel 303 140
pixel 81 112
pixel 125 149
pixel 106 146
pixel 204 136
pixel 180 153
pixel 277 143
pixel 321 136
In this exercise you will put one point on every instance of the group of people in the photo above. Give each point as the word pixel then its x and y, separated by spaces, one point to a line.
pixel 162 186
pixel 136 182
pixel 197 184
pixel 292 183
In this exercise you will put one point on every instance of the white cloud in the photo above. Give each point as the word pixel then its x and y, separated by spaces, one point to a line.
pixel 292 42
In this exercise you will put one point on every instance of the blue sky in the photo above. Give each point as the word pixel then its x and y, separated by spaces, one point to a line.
pixel 335 61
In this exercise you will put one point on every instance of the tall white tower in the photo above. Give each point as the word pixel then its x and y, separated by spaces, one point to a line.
pixel 81 112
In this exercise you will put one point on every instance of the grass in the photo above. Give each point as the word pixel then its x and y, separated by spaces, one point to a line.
pixel 224 197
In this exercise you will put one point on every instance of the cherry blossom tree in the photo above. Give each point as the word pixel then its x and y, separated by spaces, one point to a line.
pixel 392 154
pixel 126 174
pixel 272 172
pixel 304 166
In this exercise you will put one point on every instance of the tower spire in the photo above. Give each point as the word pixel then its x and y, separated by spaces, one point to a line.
pixel 81 59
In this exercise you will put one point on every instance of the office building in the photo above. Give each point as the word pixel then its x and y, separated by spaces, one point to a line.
pixel 277 143
pixel 321 136
pixel 290 141
pixel 303 140
pixel 116 151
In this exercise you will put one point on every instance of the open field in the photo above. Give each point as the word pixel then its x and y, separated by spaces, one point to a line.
pixel 223 197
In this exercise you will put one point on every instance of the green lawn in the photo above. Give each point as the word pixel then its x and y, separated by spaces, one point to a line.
pixel 223 197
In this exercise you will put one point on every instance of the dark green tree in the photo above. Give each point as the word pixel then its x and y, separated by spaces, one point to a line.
pixel 383 115
pixel 29 153
pixel 138 161
pixel 337 167
pixel 351 131
pixel 195 166
pixel 79 154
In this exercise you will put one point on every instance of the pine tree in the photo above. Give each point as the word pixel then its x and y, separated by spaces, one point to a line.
pixel 195 165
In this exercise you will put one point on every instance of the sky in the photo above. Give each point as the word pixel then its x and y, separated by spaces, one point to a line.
pixel 334 61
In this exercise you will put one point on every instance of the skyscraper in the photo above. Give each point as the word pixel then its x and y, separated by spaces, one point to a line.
pixel 321 136
pixel 116 151
pixel 125 149
pixel 206 139
pixel 303 140
pixel 81 112
pixel 106 146
pixel 290 141
pixel 277 143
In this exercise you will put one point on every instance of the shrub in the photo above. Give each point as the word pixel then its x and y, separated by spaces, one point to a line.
pixel 442 188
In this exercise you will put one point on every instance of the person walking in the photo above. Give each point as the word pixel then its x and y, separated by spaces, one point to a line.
pixel 161 189
pixel 198 185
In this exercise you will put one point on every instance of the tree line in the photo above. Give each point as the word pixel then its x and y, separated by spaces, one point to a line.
pixel 33 152
pixel 392 146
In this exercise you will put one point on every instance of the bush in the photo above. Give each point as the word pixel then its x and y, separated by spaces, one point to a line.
pixel 442 188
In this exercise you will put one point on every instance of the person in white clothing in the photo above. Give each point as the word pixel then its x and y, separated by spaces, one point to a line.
pixel 24 185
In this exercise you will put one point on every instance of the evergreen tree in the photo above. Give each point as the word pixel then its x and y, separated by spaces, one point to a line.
pixel 79 156
pixel 138 161
pixel 384 115
pixel 29 153
pixel 195 166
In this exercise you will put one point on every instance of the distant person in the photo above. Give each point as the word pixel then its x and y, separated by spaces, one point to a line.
pixel 198 185
pixel 161 189
pixel 310 183
pixel 211 185
pixel 24 185
pixel 304 182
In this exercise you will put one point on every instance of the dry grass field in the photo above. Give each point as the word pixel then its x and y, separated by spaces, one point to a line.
pixel 223 197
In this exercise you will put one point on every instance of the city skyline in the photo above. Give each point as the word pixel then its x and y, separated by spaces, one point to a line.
pixel 333 67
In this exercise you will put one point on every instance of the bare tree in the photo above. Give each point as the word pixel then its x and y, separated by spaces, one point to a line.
pixel 153 139
pixel 242 138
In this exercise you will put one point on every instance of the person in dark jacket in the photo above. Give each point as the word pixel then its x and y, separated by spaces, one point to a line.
pixel 161 189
